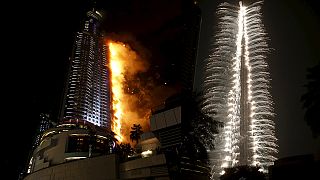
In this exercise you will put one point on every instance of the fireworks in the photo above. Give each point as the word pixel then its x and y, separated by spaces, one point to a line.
pixel 236 90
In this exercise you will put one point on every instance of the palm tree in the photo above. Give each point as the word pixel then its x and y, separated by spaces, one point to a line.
pixel 136 132
pixel 203 127
pixel 311 100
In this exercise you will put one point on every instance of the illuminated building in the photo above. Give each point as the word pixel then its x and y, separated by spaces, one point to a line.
pixel 65 143
pixel 87 94
pixel 45 123
pixel 236 90
pixel 83 138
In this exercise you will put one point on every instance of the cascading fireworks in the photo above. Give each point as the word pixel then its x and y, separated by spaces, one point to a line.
pixel 236 90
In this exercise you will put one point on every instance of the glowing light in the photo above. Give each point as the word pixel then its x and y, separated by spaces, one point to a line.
pixel 236 89
pixel 99 13
pixel 75 158
pixel 146 153
pixel 116 62
pixel 30 165
pixel 124 64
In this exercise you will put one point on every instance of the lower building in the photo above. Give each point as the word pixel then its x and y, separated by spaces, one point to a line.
pixel 178 147
pixel 80 150
pixel 295 167
pixel 95 168
pixel 153 167
pixel 68 142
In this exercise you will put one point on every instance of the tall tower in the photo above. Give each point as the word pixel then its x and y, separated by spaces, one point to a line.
pixel 87 93
pixel 236 90
pixel 190 37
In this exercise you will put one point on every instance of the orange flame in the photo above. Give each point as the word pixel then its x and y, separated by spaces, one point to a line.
pixel 124 63
pixel 117 78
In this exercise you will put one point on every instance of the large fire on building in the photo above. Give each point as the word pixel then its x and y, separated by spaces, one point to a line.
pixel 126 92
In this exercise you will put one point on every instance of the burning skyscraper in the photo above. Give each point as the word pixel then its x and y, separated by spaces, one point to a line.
pixel 87 93
pixel 236 90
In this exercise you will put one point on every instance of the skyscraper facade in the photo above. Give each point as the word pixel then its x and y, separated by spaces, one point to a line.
pixel 87 93
pixel 236 90
pixel 45 123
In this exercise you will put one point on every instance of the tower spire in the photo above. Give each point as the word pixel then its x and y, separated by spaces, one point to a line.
pixel 94 5
pixel 236 91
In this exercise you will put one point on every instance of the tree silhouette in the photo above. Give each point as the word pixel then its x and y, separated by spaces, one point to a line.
pixel 203 127
pixel 199 131
pixel 243 172
pixel 123 150
pixel 136 132
pixel 192 148
pixel 311 100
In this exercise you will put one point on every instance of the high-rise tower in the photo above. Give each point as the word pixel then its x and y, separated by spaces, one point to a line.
pixel 190 37
pixel 236 90
pixel 87 93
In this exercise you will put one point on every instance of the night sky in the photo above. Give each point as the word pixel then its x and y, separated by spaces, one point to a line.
pixel 41 38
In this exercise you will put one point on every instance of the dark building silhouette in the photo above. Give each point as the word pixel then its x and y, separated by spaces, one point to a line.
pixel 295 167
pixel 170 122
pixel 185 156
pixel 190 36
pixel 87 91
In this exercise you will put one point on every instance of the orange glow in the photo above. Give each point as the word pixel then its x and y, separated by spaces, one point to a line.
pixel 124 64
pixel 117 79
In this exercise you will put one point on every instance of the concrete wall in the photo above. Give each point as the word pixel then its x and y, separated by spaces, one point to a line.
pixel 165 119
pixel 56 154
pixel 97 168
pixel 154 166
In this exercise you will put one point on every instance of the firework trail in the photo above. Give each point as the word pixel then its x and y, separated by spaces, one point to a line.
pixel 236 90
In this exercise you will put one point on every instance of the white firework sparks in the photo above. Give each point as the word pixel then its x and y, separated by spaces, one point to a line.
pixel 236 90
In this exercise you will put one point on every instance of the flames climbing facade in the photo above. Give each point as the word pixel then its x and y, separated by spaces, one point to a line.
pixel 236 90
pixel 128 98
